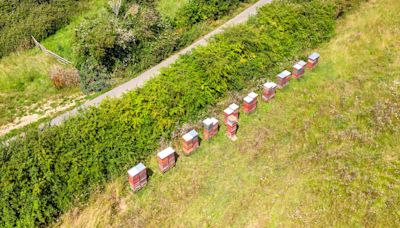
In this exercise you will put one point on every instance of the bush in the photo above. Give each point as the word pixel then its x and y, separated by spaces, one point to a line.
pixel 64 77
pixel 42 175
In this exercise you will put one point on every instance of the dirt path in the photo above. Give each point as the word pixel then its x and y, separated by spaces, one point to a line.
pixel 154 71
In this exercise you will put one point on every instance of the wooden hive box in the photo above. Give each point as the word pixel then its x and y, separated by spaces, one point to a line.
pixel 190 142
pixel 269 90
pixel 137 177
pixel 231 126
pixel 235 109
pixel 283 79
pixel 210 128
pixel 166 159
pixel 227 112
pixel 313 60
pixel 298 69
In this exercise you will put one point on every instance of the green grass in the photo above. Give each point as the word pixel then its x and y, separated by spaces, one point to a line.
pixel 169 8
pixel 324 152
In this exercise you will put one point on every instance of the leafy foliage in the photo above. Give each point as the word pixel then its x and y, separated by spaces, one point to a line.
pixel 45 173
pixel 21 19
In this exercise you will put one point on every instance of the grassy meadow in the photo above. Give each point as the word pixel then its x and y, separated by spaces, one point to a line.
pixel 324 152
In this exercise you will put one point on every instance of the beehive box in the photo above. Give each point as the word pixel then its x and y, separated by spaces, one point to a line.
pixel 190 142
pixel 227 112
pixel 313 60
pixel 269 90
pixel 283 79
pixel 137 177
pixel 250 102
pixel 166 159
pixel 298 69
pixel 235 109
pixel 210 128
pixel 231 126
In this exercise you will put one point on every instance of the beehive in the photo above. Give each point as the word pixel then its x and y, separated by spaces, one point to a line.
pixel 250 102
pixel 235 109
pixel 166 159
pixel 283 79
pixel 313 60
pixel 269 90
pixel 227 112
pixel 210 128
pixel 190 142
pixel 298 69
pixel 137 177
pixel 231 127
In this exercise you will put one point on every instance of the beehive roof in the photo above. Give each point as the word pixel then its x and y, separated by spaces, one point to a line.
pixel 302 63
pixel 253 95
pixel 284 74
pixel 228 111
pixel 165 153
pixel 248 99
pixel 270 85
pixel 234 106
pixel 215 121
pixel 297 66
pixel 208 121
pixel 187 137
pixel 137 169
pixel 193 133
pixel 314 56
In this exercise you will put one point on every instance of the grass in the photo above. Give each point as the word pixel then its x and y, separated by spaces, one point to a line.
pixel 324 152
pixel 24 76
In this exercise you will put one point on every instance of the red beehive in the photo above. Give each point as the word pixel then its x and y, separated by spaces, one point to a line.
pixel 210 128
pixel 190 142
pixel 235 109
pixel 269 90
pixel 227 112
pixel 313 60
pixel 298 69
pixel 231 127
pixel 283 79
pixel 137 177
pixel 250 102
pixel 166 159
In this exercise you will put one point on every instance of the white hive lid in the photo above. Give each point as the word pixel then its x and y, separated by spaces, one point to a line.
pixel 302 63
pixel 193 133
pixel 270 85
pixel 228 111
pixel 208 121
pixel 187 137
pixel 248 99
pixel 234 107
pixel 253 95
pixel 215 121
pixel 297 66
pixel 284 74
pixel 314 56
pixel 165 153
pixel 137 169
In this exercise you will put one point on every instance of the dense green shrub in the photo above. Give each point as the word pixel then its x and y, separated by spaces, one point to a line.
pixel 139 37
pixel 201 10
pixel 45 173
pixel 40 18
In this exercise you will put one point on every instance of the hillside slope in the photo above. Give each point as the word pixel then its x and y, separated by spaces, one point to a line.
pixel 324 152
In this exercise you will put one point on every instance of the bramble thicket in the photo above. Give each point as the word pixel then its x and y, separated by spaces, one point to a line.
pixel 111 45
pixel 48 172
